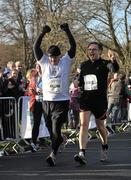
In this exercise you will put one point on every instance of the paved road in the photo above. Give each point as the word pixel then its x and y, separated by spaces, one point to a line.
pixel 32 166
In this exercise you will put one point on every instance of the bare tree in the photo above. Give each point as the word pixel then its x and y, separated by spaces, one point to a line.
pixel 14 22
pixel 106 21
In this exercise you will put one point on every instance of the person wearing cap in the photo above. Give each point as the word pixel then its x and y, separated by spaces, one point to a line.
pixel 55 78
pixel 93 97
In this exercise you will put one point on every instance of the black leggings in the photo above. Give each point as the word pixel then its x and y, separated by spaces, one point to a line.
pixel 56 114
pixel 37 114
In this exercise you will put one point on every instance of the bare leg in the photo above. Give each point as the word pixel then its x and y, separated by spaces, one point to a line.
pixel 101 126
pixel 83 136
pixel 84 124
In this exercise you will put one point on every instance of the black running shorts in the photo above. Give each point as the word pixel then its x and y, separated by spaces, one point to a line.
pixel 97 105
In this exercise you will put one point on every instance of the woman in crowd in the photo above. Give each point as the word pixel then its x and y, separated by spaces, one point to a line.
pixel 35 93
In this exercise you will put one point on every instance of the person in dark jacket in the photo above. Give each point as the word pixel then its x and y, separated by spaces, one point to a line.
pixel 93 97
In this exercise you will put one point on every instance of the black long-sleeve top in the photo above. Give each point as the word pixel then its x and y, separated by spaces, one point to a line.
pixel 39 53
pixel 100 69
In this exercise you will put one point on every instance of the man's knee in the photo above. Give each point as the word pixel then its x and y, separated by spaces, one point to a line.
pixel 83 126
pixel 101 124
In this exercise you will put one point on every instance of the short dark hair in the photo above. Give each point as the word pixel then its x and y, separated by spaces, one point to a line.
pixel 54 51
pixel 100 46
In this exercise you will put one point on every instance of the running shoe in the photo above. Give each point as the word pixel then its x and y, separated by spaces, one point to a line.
pixel 63 144
pixel 34 148
pixel 104 155
pixel 80 158
pixel 51 160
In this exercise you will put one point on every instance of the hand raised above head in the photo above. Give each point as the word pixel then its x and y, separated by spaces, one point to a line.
pixel 112 55
pixel 46 29
pixel 64 27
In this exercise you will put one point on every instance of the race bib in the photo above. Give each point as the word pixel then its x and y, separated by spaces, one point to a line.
pixel 55 85
pixel 90 82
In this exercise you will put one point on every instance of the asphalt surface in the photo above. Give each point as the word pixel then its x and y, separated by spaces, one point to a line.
pixel 32 166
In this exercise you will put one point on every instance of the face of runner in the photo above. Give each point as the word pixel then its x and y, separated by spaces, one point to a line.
pixel 94 52
pixel 54 60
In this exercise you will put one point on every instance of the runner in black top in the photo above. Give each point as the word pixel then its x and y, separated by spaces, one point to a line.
pixel 93 98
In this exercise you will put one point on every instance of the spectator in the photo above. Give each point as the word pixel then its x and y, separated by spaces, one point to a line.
pixel 13 89
pixel 123 97
pixel 10 66
pixel 30 76
pixel 20 69
pixel 35 93
pixel 74 105
pixel 114 90
pixel 128 87
pixel 1 82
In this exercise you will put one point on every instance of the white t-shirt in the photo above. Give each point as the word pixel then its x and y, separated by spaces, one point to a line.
pixel 55 78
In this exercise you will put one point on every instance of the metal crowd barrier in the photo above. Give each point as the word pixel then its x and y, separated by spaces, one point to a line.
pixel 25 119
pixel 11 119
pixel 127 124
pixel 9 127
pixel 16 125
pixel 8 118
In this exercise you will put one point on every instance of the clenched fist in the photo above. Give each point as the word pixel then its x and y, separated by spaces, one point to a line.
pixel 64 27
pixel 46 29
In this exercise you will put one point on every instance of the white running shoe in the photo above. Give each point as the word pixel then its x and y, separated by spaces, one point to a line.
pixel 104 155
pixel 80 158
pixel 51 160
pixel 34 148
pixel 63 144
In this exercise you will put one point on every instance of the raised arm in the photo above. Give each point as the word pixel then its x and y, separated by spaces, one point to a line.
pixel 38 53
pixel 113 65
pixel 72 50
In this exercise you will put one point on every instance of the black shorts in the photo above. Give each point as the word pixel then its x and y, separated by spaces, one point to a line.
pixel 97 105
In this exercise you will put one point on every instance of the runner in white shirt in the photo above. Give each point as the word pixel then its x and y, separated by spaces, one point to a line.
pixel 55 78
